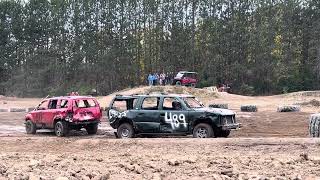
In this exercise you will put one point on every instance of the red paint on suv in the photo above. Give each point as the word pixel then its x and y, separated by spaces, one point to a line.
pixel 65 113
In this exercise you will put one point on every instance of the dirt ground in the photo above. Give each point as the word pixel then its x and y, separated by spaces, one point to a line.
pixel 97 157
pixel 271 145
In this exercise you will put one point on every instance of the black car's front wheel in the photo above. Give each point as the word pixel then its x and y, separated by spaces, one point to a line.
pixel 203 130
pixel 125 130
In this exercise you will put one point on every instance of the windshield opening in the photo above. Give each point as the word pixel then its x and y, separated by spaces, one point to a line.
pixel 192 102
pixel 122 105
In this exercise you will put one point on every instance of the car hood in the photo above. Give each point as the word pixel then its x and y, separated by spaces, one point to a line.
pixel 216 111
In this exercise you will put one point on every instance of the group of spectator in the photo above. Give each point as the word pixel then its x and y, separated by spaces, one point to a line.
pixel 160 79
pixel 224 87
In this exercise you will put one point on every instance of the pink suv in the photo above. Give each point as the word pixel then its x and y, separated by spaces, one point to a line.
pixel 185 78
pixel 65 113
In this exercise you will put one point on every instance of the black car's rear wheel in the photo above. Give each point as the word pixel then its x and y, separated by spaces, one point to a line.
pixel 61 128
pixel 31 127
pixel 92 129
pixel 203 130
pixel 125 130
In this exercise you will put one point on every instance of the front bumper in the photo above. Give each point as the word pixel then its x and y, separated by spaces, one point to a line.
pixel 231 126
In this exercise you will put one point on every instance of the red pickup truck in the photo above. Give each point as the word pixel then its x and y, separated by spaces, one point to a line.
pixel 185 78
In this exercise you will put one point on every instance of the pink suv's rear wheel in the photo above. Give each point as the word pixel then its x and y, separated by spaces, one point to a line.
pixel 92 129
pixel 30 127
pixel 61 128
pixel 178 83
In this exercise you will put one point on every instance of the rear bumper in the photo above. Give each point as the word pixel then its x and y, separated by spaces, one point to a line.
pixel 231 126
pixel 85 122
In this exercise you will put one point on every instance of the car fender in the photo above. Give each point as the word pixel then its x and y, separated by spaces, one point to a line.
pixel 116 118
pixel 126 120
pixel 57 117
pixel 203 118
pixel 29 117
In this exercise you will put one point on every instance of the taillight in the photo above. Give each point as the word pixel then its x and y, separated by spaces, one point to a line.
pixel 69 116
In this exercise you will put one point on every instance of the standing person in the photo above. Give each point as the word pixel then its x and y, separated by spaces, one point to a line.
pixel 150 79
pixel 170 78
pixel 155 79
pixel 164 78
pixel 161 79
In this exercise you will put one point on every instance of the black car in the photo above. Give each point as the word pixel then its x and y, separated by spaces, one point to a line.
pixel 174 114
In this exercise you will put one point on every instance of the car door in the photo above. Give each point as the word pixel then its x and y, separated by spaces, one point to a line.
pixel 174 118
pixel 148 115
pixel 49 113
pixel 39 111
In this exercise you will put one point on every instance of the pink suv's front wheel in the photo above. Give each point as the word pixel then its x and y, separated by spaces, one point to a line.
pixel 30 127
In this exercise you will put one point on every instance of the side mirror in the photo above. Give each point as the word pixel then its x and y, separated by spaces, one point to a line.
pixel 41 108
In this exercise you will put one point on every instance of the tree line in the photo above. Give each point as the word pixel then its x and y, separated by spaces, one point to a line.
pixel 256 46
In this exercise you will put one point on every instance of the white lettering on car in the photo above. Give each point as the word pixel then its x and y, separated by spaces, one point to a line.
pixel 175 120
pixel 116 114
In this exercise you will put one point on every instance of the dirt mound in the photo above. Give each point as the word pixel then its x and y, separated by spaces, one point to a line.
pixel 181 90
pixel 312 102
pixel 304 93
pixel 168 90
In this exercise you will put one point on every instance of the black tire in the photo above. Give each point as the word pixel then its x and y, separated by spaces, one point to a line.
pixel 288 108
pixel 92 129
pixel 317 128
pixel 61 128
pixel 224 133
pixel 311 126
pixel 220 106
pixel 203 130
pixel 248 108
pixel 314 125
pixel 125 130
pixel 193 85
pixel 178 83
pixel 31 127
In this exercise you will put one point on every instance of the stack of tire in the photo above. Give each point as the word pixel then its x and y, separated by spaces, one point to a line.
pixel 288 108
pixel 314 125
pixel 249 108
pixel 221 106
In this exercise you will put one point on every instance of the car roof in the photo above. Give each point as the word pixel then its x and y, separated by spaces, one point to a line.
pixel 71 97
pixel 151 95
pixel 187 72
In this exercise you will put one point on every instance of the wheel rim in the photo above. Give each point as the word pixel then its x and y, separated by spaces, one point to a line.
pixel 125 133
pixel 58 129
pixel 202 132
